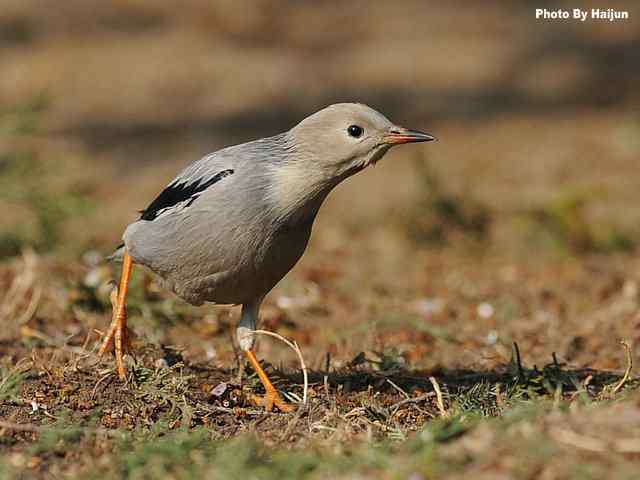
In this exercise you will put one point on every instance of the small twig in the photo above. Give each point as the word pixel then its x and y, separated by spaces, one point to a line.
pixel 95 388
pixel 257 422
pixel 355 412
pixel 29 332
pixel 517 360
pixel 86 340
pixel 557 396
pixel 499 399
pixel 294 346
pixel 248 411
pixel 20 285
pixel 32 307
pixel 47 414
pixel 38 364
pixel 291 425
pixel 405 394
pixel 627 372
pixel 439 399
pixel 78 358
pixel 418 399
pixel 584 388
pixel 19 368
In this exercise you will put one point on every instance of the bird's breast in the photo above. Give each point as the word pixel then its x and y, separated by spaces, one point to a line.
pixel 283 250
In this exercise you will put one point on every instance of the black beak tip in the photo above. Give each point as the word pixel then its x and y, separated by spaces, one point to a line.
pixel 399 135
pixel 430 138
pixel 419 136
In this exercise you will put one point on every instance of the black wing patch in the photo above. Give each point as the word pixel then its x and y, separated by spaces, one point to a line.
pixel 180 191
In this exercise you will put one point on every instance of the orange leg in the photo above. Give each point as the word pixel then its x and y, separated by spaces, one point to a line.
pixel 271 397
pixel 118 329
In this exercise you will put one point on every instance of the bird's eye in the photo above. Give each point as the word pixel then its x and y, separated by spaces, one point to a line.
pixel 355 131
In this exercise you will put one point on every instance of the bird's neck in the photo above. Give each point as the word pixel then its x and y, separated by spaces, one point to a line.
pixel 297 192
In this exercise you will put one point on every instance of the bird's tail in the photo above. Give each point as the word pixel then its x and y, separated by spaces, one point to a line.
pixel 118 255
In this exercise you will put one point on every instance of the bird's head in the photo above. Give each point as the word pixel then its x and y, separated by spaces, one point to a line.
pixel 344 138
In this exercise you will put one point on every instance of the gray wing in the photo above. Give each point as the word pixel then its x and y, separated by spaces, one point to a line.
pixel 192 182
pixel 204 220
pixel 184 190
pixel 187 187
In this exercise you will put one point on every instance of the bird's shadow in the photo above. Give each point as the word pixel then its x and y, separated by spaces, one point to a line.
pixel 396 381
pixel 513 379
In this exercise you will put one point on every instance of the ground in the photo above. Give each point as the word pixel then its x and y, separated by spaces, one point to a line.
pixel 469 307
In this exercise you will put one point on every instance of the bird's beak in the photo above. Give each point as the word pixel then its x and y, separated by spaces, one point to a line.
pixel 398 135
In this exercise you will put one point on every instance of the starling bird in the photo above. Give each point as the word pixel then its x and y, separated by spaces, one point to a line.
pixel 231 225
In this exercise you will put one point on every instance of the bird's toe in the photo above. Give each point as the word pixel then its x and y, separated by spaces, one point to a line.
pixel 271 399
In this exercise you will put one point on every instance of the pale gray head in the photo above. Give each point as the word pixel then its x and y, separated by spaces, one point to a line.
pixel 327 147
pixel 344 138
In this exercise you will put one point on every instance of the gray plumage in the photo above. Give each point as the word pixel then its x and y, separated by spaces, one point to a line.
pixel 233 223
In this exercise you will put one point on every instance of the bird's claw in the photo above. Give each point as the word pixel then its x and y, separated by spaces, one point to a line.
pixel 270 399
pixel 108 340
pixel 117 337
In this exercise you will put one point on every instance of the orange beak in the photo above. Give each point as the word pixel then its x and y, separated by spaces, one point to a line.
pixel 398 135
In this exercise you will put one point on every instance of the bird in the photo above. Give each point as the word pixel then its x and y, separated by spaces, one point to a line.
pixel 231 225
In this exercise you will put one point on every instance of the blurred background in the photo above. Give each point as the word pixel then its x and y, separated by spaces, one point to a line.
pixel 521 223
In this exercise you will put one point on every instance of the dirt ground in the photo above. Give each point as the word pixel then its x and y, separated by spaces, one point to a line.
pixel 466 307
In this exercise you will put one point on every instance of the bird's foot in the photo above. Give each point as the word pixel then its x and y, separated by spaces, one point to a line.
pixel 117 336
pixel 270 399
